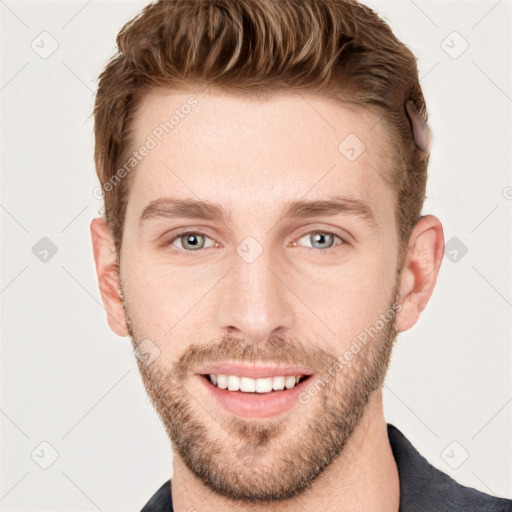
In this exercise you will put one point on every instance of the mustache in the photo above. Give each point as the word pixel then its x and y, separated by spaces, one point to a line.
pixel 275 350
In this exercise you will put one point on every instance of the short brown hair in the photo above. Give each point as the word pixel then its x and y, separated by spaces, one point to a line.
pixel 335 48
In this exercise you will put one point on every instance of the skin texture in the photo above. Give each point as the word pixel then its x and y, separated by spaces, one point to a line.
pixel 301 301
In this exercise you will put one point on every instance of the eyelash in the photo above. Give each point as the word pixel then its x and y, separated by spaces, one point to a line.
pixel 185 251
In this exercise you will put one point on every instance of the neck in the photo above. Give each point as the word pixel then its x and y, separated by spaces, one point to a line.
pixel 363 477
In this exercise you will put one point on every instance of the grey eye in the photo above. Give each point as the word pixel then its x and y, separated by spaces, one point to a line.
pixel 192 241
pixel 323 240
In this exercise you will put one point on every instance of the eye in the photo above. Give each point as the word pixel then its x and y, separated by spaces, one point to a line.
pixel 323 239
pixel 194 241
pixel 190 241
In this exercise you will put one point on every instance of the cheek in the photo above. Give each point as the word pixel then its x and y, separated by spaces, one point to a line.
pixel 347 298
pixel 153 298
pixel 167 303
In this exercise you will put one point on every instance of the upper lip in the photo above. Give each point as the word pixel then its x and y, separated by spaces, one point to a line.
pixel 252 371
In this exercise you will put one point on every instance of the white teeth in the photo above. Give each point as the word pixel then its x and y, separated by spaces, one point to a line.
pixel 222 381
pixel 289 382
pixel 278 383
pixel 233 383
pixel 263 385
pixel 248 385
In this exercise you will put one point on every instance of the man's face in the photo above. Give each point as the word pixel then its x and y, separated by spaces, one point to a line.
pixel 259 286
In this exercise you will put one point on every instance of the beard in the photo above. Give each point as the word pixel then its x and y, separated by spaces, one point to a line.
pixel 270 460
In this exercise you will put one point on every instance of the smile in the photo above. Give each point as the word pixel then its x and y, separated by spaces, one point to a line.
pixel 254 398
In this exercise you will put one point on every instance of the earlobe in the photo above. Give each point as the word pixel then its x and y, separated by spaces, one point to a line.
pixel 420 270
pixel 107 274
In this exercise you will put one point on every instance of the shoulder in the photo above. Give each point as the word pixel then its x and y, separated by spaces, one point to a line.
pixel 161 501
pixel 424 487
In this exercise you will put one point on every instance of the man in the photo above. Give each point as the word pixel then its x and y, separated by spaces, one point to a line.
pixel 264 167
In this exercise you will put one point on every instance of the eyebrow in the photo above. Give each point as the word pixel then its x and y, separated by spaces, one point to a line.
pixel 169 207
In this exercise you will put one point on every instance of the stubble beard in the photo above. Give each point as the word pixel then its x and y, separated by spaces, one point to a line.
pixel 249 461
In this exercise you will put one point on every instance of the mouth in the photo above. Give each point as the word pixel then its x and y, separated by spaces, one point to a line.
pixel 246 384
pixel 261 397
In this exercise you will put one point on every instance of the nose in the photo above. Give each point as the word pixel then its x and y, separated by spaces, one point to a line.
pixel 254 300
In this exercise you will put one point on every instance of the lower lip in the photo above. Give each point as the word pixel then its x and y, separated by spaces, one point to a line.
pixel 255 405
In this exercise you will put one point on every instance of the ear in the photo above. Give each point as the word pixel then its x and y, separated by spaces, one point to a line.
pixel 420 270
pixel 108 277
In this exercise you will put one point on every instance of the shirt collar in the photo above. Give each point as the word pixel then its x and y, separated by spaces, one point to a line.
pixel 422 486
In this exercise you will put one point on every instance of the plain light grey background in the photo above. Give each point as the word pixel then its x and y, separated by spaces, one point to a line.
pixel 68 382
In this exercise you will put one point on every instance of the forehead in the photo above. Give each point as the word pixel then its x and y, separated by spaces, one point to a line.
pixel 256 154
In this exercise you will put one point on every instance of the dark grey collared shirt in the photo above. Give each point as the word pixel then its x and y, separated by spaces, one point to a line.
pixel 423 488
